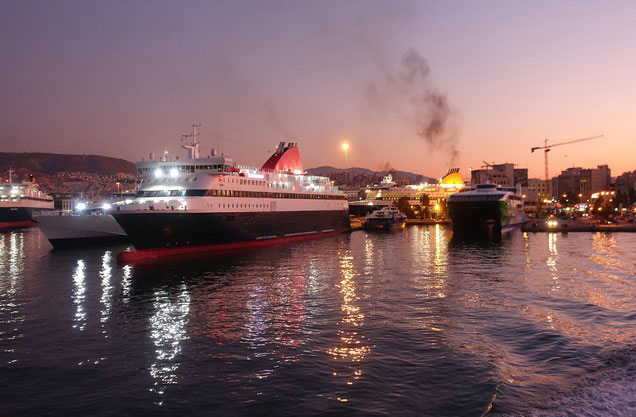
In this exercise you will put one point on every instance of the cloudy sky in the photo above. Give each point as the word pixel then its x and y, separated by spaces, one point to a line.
pixel 420 86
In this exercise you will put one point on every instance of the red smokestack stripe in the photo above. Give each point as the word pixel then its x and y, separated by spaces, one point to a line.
pixel 154 255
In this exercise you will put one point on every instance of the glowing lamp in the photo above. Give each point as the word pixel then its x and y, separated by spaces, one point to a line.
pixel 158 173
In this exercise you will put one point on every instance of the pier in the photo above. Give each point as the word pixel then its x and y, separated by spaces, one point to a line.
pixel 573 225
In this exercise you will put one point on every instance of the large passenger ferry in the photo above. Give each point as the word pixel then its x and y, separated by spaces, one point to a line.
pixel 486 210
pixel 208 203
pixel 18 201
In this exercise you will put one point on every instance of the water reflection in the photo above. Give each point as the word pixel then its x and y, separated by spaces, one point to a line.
pixel 551 262
pixel 277 314
pixel 11 272
pixel 351 347
pixel 168 330
pixel 107 289
pixel 79 294
pixel 126 283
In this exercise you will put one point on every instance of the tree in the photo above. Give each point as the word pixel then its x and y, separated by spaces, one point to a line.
pixel 405 207
pixel 424 202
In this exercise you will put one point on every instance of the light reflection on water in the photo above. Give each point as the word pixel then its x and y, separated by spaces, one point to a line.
pixel 107 288
pixel 351 346
pixel 168 331
pixel 79 294
pixel 11 315
pixel 385 323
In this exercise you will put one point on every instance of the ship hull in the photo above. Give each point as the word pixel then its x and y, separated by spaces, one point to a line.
pixel 14 217
pixel 191 229
pixel 489 219
pixel 76 231
pixel 383 224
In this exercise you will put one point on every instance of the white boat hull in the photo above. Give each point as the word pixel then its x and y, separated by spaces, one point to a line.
pixel 71 230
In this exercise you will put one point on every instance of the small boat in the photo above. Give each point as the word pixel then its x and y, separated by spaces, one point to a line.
pixel 387 218
pixel 84 226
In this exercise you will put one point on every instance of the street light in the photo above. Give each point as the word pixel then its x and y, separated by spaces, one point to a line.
pixel 345 148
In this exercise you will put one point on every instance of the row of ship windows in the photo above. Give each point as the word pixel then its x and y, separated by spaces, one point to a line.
pixel 480 197
pixel 236 193
pixel 241 205
pixel 189 168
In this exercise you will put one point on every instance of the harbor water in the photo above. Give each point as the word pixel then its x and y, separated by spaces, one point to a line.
pixel 373 324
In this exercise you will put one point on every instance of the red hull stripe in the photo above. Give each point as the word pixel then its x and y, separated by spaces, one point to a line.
pixel 23 223
pixel 150 255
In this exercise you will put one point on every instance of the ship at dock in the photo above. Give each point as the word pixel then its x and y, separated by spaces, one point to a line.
pixel 18 201
pixel 85 225
pixel 387 218
pixel 486 210
pixel 208 203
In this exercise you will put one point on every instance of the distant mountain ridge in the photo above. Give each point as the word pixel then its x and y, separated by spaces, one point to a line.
pixel 52 163
pixel 329 171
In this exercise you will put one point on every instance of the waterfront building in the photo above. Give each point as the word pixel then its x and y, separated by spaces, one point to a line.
pixel 626 182
pixel 504 175
pixel 584 181
pixel 542 189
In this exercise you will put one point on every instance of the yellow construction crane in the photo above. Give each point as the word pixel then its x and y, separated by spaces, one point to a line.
pixel 546 148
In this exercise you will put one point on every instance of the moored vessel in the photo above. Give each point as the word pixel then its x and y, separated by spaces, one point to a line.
pixel 388 218
pixel 486 210
pixel 84 226
pixel 18 201
pixel 212 203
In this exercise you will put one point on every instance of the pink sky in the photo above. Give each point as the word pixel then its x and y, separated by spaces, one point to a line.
pixel 123 79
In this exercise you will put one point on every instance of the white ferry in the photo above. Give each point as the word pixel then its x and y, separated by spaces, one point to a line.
pixel 208 203
pixel 18 201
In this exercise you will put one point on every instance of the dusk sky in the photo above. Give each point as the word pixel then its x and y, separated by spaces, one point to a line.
pixel 124 78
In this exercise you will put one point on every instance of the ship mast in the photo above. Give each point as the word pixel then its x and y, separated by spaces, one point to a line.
pixel 190 142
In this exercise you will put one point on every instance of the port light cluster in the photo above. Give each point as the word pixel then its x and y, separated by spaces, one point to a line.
pixel 552 223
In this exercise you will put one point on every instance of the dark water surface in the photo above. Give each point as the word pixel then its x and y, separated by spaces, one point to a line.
pixel 407 323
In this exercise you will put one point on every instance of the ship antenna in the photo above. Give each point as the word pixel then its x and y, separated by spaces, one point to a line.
pixel 190 142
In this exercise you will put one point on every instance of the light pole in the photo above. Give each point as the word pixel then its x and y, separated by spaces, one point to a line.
pixel 345 148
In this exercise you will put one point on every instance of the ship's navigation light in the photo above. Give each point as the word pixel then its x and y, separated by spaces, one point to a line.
pixel 174 172
pixel 80 206
pixel 158 173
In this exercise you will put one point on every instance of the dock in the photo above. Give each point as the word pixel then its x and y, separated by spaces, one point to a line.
pixel 572 225
pixel 357 223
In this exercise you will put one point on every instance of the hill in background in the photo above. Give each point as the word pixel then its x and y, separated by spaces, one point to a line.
pixel 52 163
pixel 364 176
pixel 45 165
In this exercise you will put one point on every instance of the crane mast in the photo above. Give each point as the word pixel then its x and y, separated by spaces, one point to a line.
pixel 546 148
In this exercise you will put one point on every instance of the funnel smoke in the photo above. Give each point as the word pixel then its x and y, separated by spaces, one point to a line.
pixel 409 92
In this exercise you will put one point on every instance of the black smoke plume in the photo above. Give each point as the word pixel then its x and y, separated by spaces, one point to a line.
pixel 409 92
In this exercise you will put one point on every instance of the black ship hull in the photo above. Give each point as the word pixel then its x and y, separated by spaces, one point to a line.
pixel 15 217
pixel 476 219
pixel 149 230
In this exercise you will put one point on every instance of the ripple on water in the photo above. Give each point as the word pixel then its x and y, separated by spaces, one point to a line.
pixel 407 323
